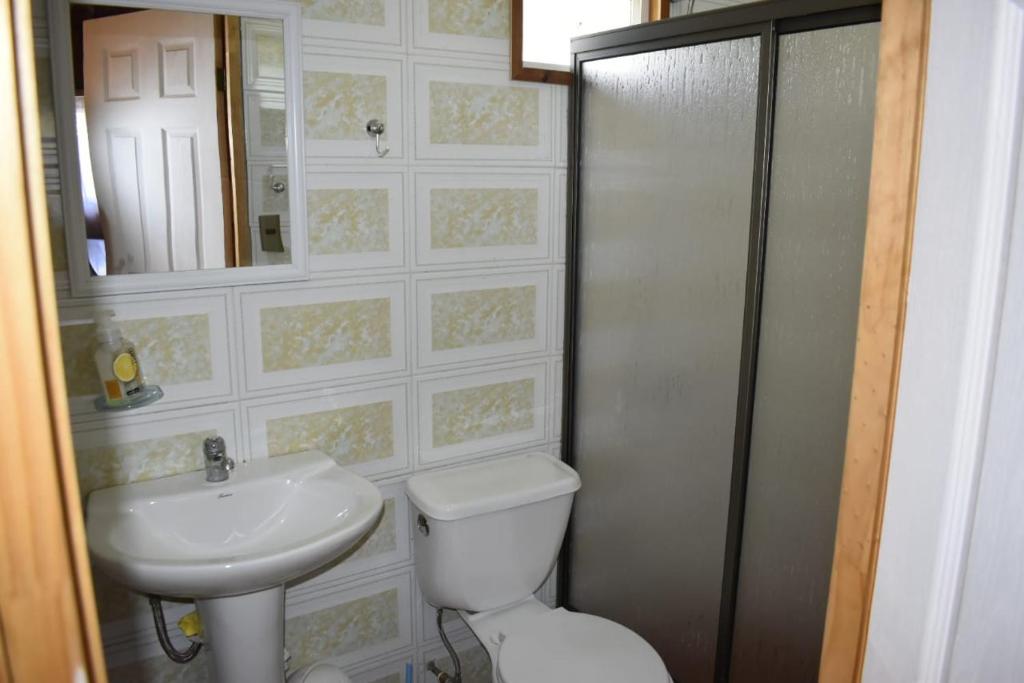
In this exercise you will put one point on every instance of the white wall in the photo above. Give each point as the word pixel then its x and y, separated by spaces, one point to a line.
pixel 946 607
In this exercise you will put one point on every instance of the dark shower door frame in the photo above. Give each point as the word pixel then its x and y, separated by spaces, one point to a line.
pixel 767 20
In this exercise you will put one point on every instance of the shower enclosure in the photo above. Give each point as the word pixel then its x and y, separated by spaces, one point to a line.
pixel 718 195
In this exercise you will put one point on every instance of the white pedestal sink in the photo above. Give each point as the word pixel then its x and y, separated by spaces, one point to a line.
pixel 231 546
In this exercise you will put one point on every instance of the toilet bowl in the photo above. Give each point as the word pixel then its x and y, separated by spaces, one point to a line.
pixel 487 537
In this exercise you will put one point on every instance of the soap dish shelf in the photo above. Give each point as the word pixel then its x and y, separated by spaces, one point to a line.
pixel 150 394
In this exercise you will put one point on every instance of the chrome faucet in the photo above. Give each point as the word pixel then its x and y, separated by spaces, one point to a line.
pixel 218 464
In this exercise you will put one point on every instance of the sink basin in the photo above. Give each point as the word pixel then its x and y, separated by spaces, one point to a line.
pixel 232 546
pixel 275 519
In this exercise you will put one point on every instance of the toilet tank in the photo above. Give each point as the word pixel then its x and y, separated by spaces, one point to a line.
pixel 488 534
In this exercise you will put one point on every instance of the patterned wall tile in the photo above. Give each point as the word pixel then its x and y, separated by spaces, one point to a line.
pixel 343 629
pixel 329 333
pixel 345 221
pixel 184 350
pixel 263 199
pixel 366 12
pixel 483 18
pixel 104 466
pixel 481 316
pixel 114 601
pixel 479 26
pixel 368 21
pixel 392 671
pixel 140 448
pixel 171 350
pixel 338 105
pixel 479 217
pixel 58 243
pixel 556 399
pixel 340 94
pixel 356 220
pixel 351 625
pixel 463 218
pixel 387 545
pixel 263 54
pixel 160 669
pixel 363 430
pixel 561 217
pixel 558 309
pixel 352 435
pixel 471 414
pixel 266 126
pixel 295 335
pixel 477 413
pixel 480 114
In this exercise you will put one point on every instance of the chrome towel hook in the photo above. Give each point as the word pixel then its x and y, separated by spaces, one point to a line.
pixel 375 129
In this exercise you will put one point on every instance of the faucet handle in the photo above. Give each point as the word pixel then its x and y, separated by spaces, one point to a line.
pixel 214 448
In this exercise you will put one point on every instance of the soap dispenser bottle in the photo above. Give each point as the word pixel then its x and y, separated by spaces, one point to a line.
pixel 117 363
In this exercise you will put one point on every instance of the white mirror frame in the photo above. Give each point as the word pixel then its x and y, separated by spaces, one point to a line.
pixel 82 282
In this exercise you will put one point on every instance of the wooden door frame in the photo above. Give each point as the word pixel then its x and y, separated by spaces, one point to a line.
pixel 48 625
pixel 892 200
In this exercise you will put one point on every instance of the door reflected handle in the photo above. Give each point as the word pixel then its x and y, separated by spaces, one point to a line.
pixel 375 129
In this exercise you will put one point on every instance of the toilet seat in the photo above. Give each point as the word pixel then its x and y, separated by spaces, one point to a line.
pixel 562 646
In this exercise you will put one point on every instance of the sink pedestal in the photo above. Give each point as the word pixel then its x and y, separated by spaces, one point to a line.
pixel 245 636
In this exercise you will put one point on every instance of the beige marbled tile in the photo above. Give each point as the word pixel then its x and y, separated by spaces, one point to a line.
pixel 347 221
pixel 310 335
pixel 482 316
pixel 475 413
pixel 272 126
pixel 478 114
pixel 270 53
pixel 482 217
pixel 102 466
pixel 114 601
pixel 44 91
pixel 58 244
pixel 384 538
pixel 338 105
pixel 351 435
pixel 172 350
pixel 476 663
pixel 160 669
pixel 368 12
pixel 343 629
pixel 270 201
pixel 479 18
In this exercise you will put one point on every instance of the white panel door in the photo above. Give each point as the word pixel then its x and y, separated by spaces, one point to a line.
pixel 151 112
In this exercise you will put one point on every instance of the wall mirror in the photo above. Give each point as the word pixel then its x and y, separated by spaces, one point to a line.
pixel 179 142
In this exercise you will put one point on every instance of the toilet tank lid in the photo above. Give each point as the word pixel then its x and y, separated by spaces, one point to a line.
pixel 491 486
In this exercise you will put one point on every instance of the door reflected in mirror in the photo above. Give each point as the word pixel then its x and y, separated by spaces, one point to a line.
pixel 181 133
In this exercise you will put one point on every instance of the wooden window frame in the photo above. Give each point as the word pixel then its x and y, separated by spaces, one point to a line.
pixel 656 10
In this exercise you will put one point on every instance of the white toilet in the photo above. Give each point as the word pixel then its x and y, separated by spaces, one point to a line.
pixel 487 536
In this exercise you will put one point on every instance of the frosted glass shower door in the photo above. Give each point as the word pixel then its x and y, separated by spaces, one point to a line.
pixel 817 213
pixel 666 163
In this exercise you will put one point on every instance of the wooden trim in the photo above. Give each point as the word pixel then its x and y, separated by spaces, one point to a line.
pixel 236 141
pixel 518 72
pixel 658 10
pixel 891 207
pixel 223 144
pixel 47 610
